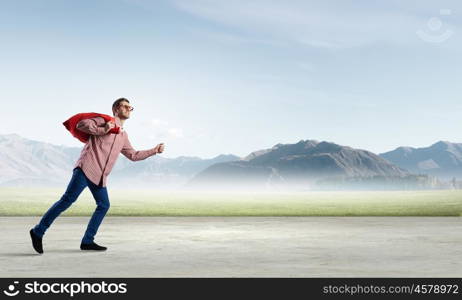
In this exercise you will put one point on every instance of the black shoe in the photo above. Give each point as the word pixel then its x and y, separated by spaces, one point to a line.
pixel 36 242
pixel 92 246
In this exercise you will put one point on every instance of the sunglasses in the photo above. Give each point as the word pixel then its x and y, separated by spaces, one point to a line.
pixel 128 107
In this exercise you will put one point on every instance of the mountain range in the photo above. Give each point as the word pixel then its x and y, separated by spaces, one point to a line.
pixel 24 162
pixel 442 159
pixel 302 164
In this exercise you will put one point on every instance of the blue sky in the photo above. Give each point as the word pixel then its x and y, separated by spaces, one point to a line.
pixel 217 77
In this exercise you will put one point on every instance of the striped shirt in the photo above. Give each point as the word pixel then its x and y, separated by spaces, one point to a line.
pixel 100 153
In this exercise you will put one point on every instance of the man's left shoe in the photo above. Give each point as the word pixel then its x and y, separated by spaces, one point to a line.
pixel 92 246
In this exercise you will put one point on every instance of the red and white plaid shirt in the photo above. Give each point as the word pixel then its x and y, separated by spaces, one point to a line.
pixel 102 150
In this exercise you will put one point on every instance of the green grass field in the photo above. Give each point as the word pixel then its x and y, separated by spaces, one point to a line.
pixel 35 202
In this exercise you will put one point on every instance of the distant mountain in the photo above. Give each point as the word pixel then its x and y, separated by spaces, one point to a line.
pixel 442 159
pixel 25 162
pixel 301 164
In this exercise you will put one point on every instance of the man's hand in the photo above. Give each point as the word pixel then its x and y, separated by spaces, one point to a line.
pixel 160 148
pixel 109 126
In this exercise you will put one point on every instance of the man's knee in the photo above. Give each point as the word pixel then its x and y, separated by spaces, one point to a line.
pixel 104 205
pixel 69 197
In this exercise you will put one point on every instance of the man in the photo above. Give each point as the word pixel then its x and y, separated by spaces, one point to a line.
pixel 91 170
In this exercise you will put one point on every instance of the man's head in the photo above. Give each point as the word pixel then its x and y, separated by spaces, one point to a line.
pixel 121 108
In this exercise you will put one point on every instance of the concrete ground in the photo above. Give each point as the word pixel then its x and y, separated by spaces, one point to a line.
pixel 238 247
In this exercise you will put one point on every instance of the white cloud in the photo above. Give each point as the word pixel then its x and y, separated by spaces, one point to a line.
pixel 233 39
pixel 175 132
pixel 162 130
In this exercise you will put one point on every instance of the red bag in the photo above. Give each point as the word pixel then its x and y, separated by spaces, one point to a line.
pixel 71 125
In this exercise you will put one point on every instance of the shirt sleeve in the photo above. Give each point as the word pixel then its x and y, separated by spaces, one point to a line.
pixel 93 126
pixel 134 155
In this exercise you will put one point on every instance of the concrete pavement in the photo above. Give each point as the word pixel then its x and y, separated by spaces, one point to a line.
pixel 238 247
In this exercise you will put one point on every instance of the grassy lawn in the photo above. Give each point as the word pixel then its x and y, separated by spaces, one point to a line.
pixel 35 202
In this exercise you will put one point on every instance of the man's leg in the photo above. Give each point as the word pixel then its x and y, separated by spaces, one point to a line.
pixel 102 201
pixel 74 189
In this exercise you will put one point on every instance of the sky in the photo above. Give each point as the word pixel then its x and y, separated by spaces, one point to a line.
pixel 232 77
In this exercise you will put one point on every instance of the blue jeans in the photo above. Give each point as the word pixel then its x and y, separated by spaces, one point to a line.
pixel 77 184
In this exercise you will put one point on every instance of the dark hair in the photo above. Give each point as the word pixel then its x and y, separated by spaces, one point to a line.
pixel 116 104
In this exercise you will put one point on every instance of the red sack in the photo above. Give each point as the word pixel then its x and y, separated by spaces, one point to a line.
pixel 71 125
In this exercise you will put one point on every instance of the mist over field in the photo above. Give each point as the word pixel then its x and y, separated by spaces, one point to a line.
pixel 136 202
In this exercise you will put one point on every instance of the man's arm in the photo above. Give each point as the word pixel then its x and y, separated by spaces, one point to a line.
pixel 134 155
pixel 92 126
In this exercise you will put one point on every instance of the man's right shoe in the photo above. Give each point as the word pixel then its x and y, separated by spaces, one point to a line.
pixel 36 241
